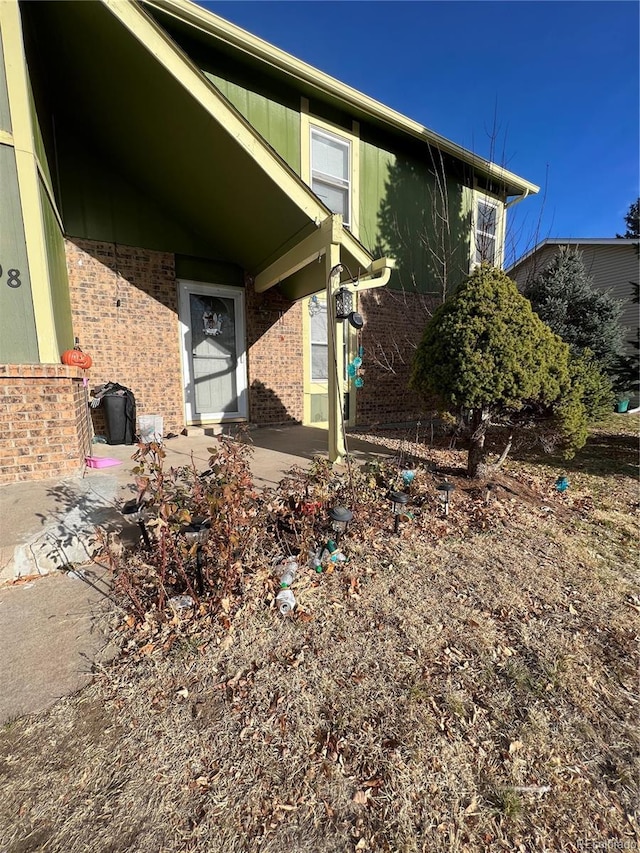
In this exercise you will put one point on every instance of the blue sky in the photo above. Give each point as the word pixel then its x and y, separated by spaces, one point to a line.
pixel 558 80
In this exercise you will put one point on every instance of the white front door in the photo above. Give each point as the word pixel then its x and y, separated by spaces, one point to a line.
pixel 213 345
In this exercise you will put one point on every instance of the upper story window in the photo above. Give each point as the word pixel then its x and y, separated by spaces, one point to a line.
pixel 486 232
pixel 331 172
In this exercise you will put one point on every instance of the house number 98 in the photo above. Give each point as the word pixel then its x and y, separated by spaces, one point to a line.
pixel 13 277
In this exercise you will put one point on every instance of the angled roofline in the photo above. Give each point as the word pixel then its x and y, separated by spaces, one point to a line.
pixel 144 28
pixel 288 64
pixel 575 241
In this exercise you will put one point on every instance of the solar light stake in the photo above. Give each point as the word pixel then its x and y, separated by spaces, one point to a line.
pixel 399 500
pixel 198 531
pixel 340 516
pixel 138 512
pixel 444 493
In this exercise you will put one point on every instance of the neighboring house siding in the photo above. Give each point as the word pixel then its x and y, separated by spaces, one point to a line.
pixel 612 267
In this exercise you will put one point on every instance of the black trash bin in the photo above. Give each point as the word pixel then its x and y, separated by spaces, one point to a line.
pixel 119 406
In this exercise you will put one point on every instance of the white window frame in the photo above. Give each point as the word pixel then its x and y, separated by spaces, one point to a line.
pixel 320 307
pixel 479 235
pixel 309 123
pixel 332 181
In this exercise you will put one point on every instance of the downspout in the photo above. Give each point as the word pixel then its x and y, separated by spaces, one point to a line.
pixel 517 199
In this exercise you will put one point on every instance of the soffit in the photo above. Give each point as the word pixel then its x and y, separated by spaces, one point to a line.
pixel 136 113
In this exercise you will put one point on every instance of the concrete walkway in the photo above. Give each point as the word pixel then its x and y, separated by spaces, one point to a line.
pixel 52 622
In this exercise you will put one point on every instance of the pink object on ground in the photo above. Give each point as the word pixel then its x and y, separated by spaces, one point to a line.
pixel 101 462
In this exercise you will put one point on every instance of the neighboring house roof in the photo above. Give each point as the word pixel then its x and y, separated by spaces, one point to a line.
pixel 316 82
pixel 574 241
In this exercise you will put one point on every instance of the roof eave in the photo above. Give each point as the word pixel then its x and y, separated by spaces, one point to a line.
pixel 244 41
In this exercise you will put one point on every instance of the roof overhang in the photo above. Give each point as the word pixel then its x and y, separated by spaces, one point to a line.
pixel 138 97
pixel 324 85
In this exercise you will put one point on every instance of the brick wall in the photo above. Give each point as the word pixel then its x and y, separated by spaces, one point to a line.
pixel 44 422
pixel 124 304
pixel 274 350
pixel 394 322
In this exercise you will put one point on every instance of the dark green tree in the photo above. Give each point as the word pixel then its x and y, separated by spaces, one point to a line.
pixel 487 353
pixel 632 220
pixel 628 379
pixel 565 298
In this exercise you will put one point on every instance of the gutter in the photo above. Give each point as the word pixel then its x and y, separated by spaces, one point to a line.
pixel 285 63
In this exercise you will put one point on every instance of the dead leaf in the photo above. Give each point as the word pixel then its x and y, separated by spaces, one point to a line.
pixel 472 808
pixel 303 616
pixel 360 797
pixel 147 649
pixel 183 693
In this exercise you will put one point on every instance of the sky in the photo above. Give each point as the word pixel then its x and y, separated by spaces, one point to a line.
pixel 549 89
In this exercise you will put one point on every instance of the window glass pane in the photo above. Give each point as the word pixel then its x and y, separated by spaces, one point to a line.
pixel 214 356
pixel 319 324
pixel 319 363
pixel 319 408
pixel 485 248
pixel 330 156
pixel 335 198
pixel 486 217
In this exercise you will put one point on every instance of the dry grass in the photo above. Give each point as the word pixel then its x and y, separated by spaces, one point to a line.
pixel 468 686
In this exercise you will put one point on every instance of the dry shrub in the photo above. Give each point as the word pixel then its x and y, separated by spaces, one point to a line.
pixel 468 685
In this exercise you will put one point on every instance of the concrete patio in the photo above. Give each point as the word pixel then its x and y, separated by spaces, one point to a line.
pixel 54 625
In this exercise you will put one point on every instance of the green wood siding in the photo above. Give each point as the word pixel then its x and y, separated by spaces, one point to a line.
pixel 18 343
pixel 98 203
pixel 211 272
pixel 5 115
pixel 38 141
pixel 274 121
pixel 59 282
pixel 423 222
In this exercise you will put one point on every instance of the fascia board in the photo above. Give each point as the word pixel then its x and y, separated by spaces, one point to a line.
pixel 158 43
pixel 244 41
pixel 313 247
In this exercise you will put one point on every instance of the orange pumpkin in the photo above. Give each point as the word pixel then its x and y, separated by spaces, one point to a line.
pixel 76 358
